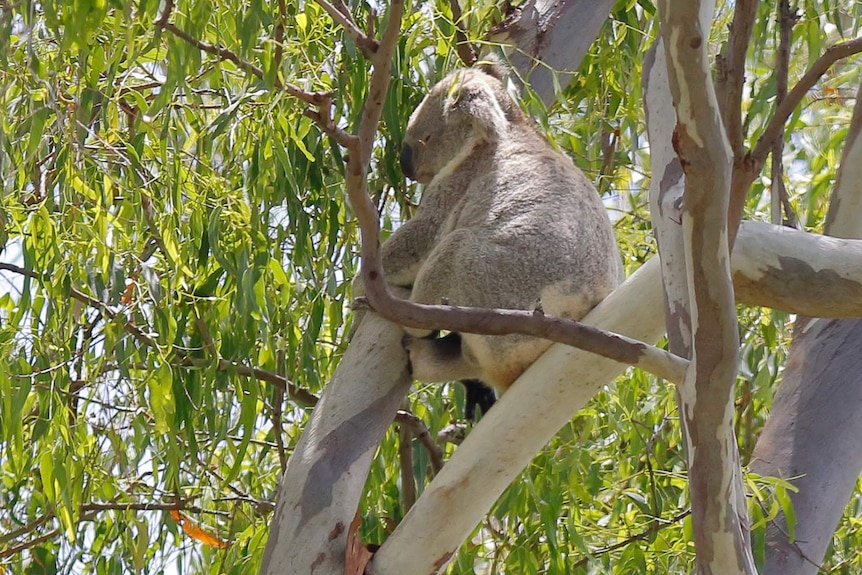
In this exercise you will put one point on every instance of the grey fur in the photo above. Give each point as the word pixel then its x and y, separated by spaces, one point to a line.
pixel 505 221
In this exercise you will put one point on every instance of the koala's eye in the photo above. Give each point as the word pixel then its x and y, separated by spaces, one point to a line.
pixel 426 139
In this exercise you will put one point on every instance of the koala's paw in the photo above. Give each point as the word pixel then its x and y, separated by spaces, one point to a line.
pixel 360 303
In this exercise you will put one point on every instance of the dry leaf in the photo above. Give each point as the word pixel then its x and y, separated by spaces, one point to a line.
pixel 195 532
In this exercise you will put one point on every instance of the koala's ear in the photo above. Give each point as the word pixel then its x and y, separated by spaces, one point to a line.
pixel 479 102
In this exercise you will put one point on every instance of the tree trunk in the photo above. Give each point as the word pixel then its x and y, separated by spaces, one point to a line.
pixel 322 484
pixel 812 437
pixel 689 196
pixel 815 423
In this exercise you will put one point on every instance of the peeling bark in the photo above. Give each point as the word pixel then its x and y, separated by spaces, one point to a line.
pixel 719 515
pixel 797 272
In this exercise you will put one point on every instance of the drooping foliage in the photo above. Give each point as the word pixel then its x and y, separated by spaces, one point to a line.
pixel 175 261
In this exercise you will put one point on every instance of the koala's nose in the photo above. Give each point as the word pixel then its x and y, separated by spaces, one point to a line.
pixel 407 161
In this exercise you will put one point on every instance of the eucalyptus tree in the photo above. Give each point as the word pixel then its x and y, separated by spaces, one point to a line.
pixel 176 256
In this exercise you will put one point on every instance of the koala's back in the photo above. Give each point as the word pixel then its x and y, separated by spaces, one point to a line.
pixel 539 224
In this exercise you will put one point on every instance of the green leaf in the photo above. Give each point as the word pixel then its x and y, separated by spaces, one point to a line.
pixel 162 404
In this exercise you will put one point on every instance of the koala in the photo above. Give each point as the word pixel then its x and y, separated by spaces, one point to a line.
pixel 505 221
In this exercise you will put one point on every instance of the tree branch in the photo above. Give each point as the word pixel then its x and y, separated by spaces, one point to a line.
pixel 783 110
pixel 15 549
pixel 294 393
pixel 299 395
pixel 656 525
pixel 32 526
pixel 505 321
pixel 465 50
pixel 786 19
pixel 367 46
pixel 730 72
pixel 87 511
pixel 415 425
pixel 279 36
pixel 313 98
pixel 719 513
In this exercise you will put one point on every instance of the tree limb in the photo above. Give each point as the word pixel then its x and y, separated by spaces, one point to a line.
pixel 313 98
pixel 783 110
pixel 730 72
pixel 719 515
pixel 367 46
pixel 786 19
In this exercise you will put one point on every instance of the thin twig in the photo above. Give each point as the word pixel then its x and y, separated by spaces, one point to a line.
pixel 15 549
pixel 609 141
pixel 313 98
pixel 279 37
pixel 367 45
pixel 220 51
pixel 32 526
pixel 462 44
pixel 278 415
pixel 87 511
pixel 783 110
pixel 730 72
pixel 655 527
pixel 786 19
pixel 135 506
pixel 415 425
pixel 297 394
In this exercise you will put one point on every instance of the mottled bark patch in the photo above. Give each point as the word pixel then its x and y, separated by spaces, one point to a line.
pixel 341 448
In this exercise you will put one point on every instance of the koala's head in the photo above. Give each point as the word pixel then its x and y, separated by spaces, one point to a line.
pixel 467 108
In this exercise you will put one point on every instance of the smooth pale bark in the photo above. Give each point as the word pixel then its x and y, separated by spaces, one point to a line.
pixel 814 427
pixel 719 514
pixel 550 38
pixel 812 436
pixel 543 399
pixel 322 484
pixel 667 186
pixel 797 272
